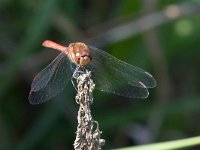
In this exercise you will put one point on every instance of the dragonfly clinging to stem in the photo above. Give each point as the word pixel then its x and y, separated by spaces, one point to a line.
pixel 109 73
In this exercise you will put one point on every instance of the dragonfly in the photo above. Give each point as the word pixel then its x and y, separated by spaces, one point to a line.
pixel 110 74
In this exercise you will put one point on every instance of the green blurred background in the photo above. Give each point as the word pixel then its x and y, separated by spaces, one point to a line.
pixel 162 37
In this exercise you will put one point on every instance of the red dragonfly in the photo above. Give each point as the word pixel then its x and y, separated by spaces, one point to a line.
pixel 109 73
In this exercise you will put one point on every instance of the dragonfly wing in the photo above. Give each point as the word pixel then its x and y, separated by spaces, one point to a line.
pixel 115 76
pixel 51 80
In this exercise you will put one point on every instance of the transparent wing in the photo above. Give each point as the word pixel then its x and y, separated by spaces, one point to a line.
pixel 115 76
pixel 51 80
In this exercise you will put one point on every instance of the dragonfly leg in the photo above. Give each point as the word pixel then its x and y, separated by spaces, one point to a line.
pixel 75 76
pixel 78 72
pixel 73 83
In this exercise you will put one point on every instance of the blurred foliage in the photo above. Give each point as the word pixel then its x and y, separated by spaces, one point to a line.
pixel 173 108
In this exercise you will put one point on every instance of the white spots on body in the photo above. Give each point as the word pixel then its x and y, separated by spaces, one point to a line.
pixel 77 54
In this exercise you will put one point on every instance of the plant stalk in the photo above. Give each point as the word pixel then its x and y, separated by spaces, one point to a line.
pixel 88 135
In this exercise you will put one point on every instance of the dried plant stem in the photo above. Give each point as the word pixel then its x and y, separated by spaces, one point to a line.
pixel 88 133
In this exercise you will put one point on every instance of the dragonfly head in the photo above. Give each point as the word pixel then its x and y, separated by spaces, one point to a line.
pixel 79 53
pixel 85 57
